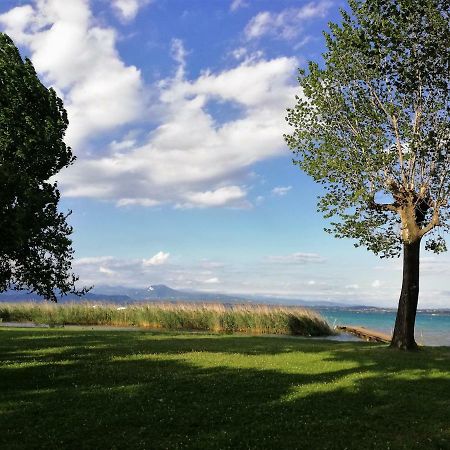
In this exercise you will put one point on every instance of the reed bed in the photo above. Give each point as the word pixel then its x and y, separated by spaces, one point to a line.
pixel 254 319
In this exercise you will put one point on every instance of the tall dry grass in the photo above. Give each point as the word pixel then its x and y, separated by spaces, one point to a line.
pixel 255 319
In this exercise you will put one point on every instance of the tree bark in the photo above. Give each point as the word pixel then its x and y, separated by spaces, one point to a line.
pixel 403 337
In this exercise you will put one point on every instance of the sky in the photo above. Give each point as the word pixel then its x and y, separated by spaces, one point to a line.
pixel 177 113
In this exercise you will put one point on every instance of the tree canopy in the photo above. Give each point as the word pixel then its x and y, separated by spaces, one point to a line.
pixel 372 126
pixel 35 244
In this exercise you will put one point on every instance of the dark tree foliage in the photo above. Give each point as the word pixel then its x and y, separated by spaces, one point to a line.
pixel 35 244
pixel 373 127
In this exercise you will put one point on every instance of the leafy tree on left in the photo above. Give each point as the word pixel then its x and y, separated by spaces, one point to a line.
pixel 35 244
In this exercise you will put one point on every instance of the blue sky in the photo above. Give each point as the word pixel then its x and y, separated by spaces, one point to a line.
pixel 176 112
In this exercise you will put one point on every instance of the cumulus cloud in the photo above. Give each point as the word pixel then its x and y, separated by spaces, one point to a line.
pixel 297 258
pixel 191 158
pixel 79 58
pixel 16 21
pixel 201 165
pixel 156 260
pixel 286 24
pixel 128 9
pixel 280 191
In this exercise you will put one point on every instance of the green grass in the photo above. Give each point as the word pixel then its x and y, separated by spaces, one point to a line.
pixel 83 389
pixel 255 319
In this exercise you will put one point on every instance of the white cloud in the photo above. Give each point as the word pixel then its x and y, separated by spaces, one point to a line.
pixel 201 165
pixel 126 144
pixel 376 284
pixel 219 197
pixel 128 9
pixel 134 272
pixel 16 21
pixel 303 42
pixel 281 190
pixel 435 265
pixel 239 53
pixel 93 260
pixel 246 56
pixel 127 272
pixel 297 258
pixel 259 25
pixel 237 4
pixel 79 58
pixel 244 279
pixel 147 202
pixel 212 264
pixel 190 158
pixel 179 55
pixel 213 280
pixel 156 260
pixel 286 24
pixel 106 271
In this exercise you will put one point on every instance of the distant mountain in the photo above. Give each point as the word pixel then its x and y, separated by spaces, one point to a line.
pixel 120 294
pixel 161 292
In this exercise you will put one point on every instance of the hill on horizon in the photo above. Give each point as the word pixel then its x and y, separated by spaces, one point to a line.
pixel 160 292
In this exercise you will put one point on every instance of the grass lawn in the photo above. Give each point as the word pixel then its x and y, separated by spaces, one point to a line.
pixel 84 389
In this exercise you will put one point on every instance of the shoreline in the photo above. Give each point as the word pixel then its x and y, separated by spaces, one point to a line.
pixel 339 337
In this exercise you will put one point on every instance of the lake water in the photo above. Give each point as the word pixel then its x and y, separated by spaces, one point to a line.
pixel 431 328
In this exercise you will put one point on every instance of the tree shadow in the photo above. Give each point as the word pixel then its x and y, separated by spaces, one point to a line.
pixel 127 390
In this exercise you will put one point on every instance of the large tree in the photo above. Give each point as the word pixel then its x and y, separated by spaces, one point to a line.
pixel 372 126
pixel 35 244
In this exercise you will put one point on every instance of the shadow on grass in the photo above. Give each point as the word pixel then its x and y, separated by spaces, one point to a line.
pixel 143 390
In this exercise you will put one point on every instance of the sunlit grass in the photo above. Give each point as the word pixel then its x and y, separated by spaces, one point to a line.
pixel 85 389
pixel 255 319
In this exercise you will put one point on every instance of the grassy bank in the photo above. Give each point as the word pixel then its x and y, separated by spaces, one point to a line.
pixel 254 319
pixel 72 389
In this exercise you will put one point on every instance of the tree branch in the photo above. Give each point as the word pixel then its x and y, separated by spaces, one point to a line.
pixel 399 149
pixel 434 222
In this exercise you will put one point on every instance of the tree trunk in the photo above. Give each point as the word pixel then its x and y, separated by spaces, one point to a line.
pixel 403 337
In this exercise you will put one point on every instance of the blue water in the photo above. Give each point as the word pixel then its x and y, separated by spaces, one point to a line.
pixel 431 328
